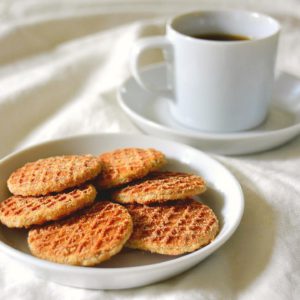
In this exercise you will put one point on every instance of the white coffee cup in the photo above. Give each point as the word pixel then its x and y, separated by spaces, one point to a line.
pixel 216 86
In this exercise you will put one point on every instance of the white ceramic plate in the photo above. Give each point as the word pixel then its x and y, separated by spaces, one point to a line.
pixel 152 115
pixel 130 268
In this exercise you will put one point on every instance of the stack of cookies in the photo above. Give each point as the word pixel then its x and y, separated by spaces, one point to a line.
pixel 56 199
pixel 166 219
pixel 49 189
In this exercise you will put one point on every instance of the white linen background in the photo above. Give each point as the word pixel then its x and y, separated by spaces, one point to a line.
pixel 60 64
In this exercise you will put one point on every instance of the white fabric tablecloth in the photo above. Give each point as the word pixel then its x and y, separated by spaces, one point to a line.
pixel 60 64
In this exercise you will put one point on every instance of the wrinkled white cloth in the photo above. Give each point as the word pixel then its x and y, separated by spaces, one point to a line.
pixel 60 64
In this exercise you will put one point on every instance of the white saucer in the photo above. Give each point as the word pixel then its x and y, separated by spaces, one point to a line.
pixel 152 115
pixel 129 268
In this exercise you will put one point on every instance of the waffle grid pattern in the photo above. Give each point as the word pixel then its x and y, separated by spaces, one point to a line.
pixel 53 174
pixel 124 165
pixel 161 187
pixel 19 211
pixel 88 238
pixel 173 228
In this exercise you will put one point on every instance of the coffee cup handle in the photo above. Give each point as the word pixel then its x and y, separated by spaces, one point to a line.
pixel 158 42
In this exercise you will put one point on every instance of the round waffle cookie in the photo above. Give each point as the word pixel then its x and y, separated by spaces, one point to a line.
pixel 172 228
pixel 124 165
pixel 88 238
pixel 53 174
pixel 160 187
pixel 19 211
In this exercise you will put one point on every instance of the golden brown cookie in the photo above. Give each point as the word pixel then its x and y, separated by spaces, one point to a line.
pixel 53 174
pixel 160 187
pixel 20 211
pixel 124 165
pixel 172 228
pixel 89 237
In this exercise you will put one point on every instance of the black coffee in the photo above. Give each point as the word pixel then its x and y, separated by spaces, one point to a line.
pixel 220 37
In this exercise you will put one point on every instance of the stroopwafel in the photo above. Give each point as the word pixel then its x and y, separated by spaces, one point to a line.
pixel 124 165
pixel 53 174
pixel 89 237
pixel 20 211
pixel 160 187
pixel 172 228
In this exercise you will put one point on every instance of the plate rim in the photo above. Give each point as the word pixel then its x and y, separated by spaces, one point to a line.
pixel 208 249
pixel 197 135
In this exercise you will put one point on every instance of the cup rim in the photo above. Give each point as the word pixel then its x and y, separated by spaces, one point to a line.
pixel 171 21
